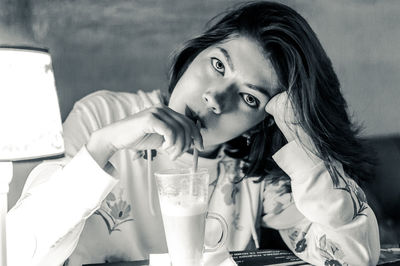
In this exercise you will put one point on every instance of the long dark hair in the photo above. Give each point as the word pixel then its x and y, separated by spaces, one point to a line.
pixel 304 71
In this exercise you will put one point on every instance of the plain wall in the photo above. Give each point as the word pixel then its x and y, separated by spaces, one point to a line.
pixel 124 45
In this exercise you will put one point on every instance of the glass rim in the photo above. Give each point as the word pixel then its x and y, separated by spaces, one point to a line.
pixel 181 172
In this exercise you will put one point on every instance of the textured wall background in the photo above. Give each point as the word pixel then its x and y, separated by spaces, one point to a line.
pixel 124 45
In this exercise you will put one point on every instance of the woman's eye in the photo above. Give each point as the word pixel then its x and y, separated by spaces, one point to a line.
pixel 250 100
pixel 218 65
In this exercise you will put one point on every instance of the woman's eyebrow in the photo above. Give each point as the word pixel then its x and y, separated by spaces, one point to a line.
pixel 232 67
pixel 259 89
pixel 227 57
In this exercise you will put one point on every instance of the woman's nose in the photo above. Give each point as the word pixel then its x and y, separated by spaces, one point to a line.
pixel 217 98
pixel 212 102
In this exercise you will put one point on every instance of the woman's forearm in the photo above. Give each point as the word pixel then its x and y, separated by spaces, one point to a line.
pixel 99 148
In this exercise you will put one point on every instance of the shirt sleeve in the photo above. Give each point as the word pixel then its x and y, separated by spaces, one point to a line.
pixel 59 195
pixel 45 223
pixel 322 223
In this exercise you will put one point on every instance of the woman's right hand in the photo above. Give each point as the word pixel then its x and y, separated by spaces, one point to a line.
pixel 152 128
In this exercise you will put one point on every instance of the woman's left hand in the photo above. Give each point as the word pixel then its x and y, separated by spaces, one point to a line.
pixel 281 108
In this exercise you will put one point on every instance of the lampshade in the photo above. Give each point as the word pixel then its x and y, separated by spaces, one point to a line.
pixel 29 111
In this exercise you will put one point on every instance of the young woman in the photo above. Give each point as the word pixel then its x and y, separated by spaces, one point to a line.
pixel 274 134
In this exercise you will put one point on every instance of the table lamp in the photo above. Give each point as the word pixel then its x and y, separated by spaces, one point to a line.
pixel 30 119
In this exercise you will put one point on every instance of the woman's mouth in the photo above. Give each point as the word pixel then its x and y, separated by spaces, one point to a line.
pixel 194 117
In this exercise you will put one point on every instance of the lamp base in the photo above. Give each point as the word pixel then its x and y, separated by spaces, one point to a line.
pixel 6 172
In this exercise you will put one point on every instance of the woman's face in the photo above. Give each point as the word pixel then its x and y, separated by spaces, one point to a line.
pixel 226 87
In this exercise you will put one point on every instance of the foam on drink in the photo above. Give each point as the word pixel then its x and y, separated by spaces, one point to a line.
pixel 184 206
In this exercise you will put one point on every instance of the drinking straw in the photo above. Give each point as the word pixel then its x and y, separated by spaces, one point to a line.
pixel 196 152
pixel 195 161
pixel 150 181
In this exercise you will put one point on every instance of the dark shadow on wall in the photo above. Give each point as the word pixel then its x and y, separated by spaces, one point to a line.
pixel 383 192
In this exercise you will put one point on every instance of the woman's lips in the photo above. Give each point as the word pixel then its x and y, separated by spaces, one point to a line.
pixel 194 117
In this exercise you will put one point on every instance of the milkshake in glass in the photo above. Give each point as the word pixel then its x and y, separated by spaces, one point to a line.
pixel 183 198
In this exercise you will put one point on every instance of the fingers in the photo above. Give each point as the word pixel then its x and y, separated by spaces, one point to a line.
pixel 191 127
pixel 178 131
pixel 281 108
pixel 277 104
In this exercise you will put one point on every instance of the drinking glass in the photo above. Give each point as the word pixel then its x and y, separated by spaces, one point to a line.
pixel 183 196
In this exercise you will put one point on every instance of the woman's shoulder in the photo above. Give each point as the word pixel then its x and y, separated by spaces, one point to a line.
pixel 116 105
pixel 104 107
pixel 127 100
pixel 100 109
